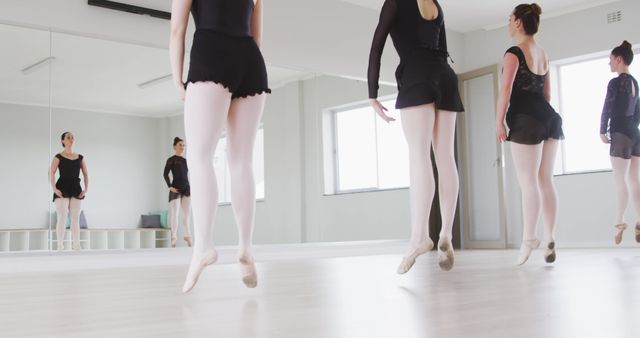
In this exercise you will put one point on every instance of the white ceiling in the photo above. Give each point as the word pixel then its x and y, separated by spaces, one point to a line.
pixel 92 74
pixel 470 15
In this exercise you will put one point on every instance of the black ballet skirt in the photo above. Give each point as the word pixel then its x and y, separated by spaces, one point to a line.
pixel 423 76
pixel 69 181
pixel 177 166
pixel 223 50
pixel 530 117
pixel 621 117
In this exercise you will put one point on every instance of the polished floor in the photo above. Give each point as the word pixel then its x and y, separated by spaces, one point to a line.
pixel 324 291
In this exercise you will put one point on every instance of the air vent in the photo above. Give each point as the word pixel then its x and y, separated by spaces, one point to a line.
pixel 614 17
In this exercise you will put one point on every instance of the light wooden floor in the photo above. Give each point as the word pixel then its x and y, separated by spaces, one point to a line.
pixel 587 293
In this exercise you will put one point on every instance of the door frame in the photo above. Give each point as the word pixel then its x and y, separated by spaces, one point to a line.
pixel 463 155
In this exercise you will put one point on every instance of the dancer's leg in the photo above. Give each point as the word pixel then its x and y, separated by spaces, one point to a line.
pixel 205 113
pixel 418 124
pixel 242 126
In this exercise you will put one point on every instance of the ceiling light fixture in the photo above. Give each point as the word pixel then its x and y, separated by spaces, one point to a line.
pixel 32 68
pixel 155 81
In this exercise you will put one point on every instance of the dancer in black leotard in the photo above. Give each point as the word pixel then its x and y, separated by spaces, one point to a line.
pixel 619 126
pixel 428 97
pixel 226 85
pixel 534 127
pixel 179 192
pixel 67 192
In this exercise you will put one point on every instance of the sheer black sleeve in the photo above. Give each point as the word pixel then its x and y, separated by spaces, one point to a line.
pixel 387 19
pixel 442 41
pixel 609 105
pixel 167 169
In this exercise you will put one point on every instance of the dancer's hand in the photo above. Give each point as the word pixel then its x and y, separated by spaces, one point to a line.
pixel 58 193
pixel 605 139
pixel 181 90
pixel 174 190
pixel 380 110
pixel 501 132
pixel 84 192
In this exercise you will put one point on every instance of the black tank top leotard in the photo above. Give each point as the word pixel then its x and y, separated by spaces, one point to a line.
pixel 232 17
pixel 177 165
pixel 530 117
pixel 423 75
pixel 69 181
pixel 223 49
pixel 621 116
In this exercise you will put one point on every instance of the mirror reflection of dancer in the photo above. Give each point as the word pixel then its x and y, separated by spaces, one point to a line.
pixel 226 85
pixel 428 98
pixel 67 192
pixel 620 120
pixel 179 192
pixel 534 128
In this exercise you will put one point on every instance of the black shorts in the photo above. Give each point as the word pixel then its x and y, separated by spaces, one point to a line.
pixel 624 146
pixel 425 77
pixel 232 61
pixel 532 120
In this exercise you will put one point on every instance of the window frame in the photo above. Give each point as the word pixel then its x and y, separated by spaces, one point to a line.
pixel 555 71
pixel 332 113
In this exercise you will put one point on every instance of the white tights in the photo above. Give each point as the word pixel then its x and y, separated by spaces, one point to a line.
pixel 73 206
pixel 180 212
pixel 208 109
pixel 424 127
pixel 534 168
pixel 627 177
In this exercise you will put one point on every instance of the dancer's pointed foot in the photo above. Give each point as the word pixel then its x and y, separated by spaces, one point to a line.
pixel 76 247
pixel 445 253
pixel 638 232
pixel 198 263
pixel 620 228
pixel 412 253
pixel 188 240
pixel 60 246
pixel 173 242
pixel 248 269
pixel 526 248
pixel 550 252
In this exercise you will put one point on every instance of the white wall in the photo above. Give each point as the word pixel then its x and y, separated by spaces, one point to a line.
pixel 24 145
pixel 587 202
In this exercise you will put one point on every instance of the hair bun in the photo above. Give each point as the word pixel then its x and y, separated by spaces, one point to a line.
pixel 535 9
pixel 626 44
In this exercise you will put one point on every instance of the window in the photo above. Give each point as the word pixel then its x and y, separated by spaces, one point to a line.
pixel 583 87
pixel 222 168
pixel 369 154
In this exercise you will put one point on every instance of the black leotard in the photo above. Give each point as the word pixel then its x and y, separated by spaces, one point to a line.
pixel 223 50
pixel 177 165
pixel 423 75
pixel 621 116
pixel 530 117
pixel 232 17
pixel 69 181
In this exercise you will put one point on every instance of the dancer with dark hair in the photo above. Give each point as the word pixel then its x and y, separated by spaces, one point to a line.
pixel 428 100
pixel 179 192
pixel 534 128
pixel 619 128
pixel 67 191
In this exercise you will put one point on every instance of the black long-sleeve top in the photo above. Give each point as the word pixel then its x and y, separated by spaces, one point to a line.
pixel 177 165
pixel 621 112
pixel 409 31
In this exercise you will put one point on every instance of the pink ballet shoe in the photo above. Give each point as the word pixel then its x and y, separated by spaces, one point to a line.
pixel 620 228
pixel 526 248
pixel 637 232
pixel 173 242
pixel 408 261
pixel 196 269
pixel 188 240
pixel 445 254
pixel 249 274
